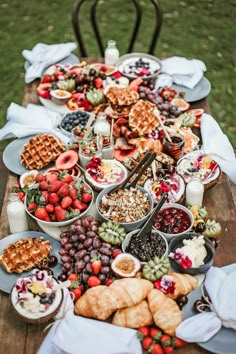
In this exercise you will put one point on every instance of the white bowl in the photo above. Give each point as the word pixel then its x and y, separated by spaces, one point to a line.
pixel 72 114
pixel 60 96
pixel 128 237
pixel 129 226
pixel 66 222
pixel 170 236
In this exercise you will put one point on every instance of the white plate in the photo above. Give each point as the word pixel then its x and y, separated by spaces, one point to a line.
pixel 200 91
pixel 62 109
pixel 11 156
pixel 9 279
pixel 224 342
pixel 71 59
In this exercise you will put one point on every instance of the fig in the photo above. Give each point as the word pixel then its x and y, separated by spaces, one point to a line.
pixel 125 265
pixel 67 160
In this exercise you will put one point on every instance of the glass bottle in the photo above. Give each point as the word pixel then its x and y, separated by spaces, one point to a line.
pixel 16 214
pixel 194 192
pixel 111 53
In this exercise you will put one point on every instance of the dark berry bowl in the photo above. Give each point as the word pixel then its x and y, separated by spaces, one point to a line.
pixel 173 220
pixel 208 260
pixel 147 248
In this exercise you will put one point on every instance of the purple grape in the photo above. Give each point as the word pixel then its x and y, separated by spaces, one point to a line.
pixel 96 243
pixel 82 237
pixel 72 252
pixel 79 265
pixel 80 254
pixel 102 277
pixel 53 261
pixel 84 277
pixel 78 222
pixel 105 260
pixel 64 241
pixel 74 238
pixel 67 266
pixel 80 229
pixel 63 252
pixel 105 269
pixel 66 259
pixel 68 246
pixel 88 268
pixel 87 258
pixel 87 243
pixel 64 234
pixel 72 228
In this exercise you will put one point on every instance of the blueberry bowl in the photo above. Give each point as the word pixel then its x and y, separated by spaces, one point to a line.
pixel 177 243
pixel 73 119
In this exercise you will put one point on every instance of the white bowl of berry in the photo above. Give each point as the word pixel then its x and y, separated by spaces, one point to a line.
pixel 173 220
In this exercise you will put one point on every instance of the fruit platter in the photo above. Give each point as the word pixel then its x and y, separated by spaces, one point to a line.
pixel 113 122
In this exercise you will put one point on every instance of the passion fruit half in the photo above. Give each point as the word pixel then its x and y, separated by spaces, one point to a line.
pixel 125 265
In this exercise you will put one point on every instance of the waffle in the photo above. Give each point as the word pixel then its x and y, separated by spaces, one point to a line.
pixel 24 254
pixel 141 118
pixel 121 96
pixel 40 151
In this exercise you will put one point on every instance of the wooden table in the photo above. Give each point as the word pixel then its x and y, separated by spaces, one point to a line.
pixel 19 338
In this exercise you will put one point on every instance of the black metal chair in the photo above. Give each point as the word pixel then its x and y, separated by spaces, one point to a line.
pixel 93 16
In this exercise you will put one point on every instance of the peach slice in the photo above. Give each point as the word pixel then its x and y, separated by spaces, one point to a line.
pixel 67 160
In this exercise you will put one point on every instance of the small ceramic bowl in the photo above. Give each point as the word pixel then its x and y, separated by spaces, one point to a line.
pixel 208 261
pixel 155 233
pixel 60 96
pixel 129 226
pixel 185 215
pixel 73 119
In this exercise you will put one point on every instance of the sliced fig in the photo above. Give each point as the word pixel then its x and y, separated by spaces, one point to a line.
pixel 125 265
pixel 67 160
pixel 121 155
pixel 181 104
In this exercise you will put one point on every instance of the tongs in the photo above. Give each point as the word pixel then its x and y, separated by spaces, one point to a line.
pixel 147 227
pixel 140 168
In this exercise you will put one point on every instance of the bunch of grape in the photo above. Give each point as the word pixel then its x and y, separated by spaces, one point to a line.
pixel 79 246
pixel 166 109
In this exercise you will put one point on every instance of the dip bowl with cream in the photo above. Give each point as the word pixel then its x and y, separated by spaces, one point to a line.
pixel 191 253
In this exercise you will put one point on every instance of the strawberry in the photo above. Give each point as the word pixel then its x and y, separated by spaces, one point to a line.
pixel 66 202
pixel 147 342
pixel 66 177
pixel 98 82
pixel 115 252
pixel 45 194
pixel 76 293
pixel 143 331
pixel 16 185
pixel 165 340
pixel 42 214
pixel 73 193
pixel 77 204
pixel 93 281
pixel 32 206
pixel 86 197
pixel 60 213
pixel 46 78
pixel 53 217
pixel 73 276
pixel 57 74
pixel 168 350
pixel 156 349
pixel 53 198
pixel 21 196
pixel 155 333
pixel 54 186
pixel 43 186
pixel 109 281
pixel 177 342
pixel 40 178
pixel 96 265
pixel 51 177
pixel 50 208
pixel 64 190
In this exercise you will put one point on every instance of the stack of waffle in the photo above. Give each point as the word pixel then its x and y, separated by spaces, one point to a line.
pixel 142 120
pixel 40 151
pixel 24 254
pixel 121 100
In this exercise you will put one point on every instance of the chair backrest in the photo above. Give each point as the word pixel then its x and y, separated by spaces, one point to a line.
pixel 95 25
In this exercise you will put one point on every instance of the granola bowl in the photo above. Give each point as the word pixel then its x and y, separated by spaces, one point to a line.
pixel 128 207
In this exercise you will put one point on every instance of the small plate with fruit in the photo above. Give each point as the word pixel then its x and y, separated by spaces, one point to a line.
pixel 198 164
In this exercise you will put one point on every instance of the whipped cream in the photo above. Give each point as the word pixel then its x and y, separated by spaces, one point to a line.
pixel 195 250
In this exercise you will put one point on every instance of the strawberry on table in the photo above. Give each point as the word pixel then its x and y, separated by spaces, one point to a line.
pixel 96 265
pixel 156 349
pixel 155 333
pixel 76 293
pixel 177 342
pixel 147 342
pixel 93 281
pixel 165 340
pixel 73 277
pixel 168 350
pixel 21 196
pixel 109 281
pixel 143 332
pixel 116 252
pixel 46 78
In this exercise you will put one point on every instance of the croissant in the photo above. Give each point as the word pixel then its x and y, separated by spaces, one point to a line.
pixel 100 303
pixel 184 284
pixel 125 292
pixel 134 316
pixel 87 304
pixel 165 311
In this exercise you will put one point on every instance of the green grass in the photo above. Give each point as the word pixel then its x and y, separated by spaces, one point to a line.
pixel 202 29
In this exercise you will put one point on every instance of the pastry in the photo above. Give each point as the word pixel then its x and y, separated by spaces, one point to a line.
pixel 101 301
pixel 165 311
pixel 40 151
pixel 24 254
pixel 133 317
pixel 184 284
pixel 142 120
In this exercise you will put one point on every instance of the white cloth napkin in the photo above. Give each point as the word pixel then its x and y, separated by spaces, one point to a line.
pixel 31 120
pixel 44 55
pixel 220 284
pixel 184 71
pixel 216 144
pixel 78 335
